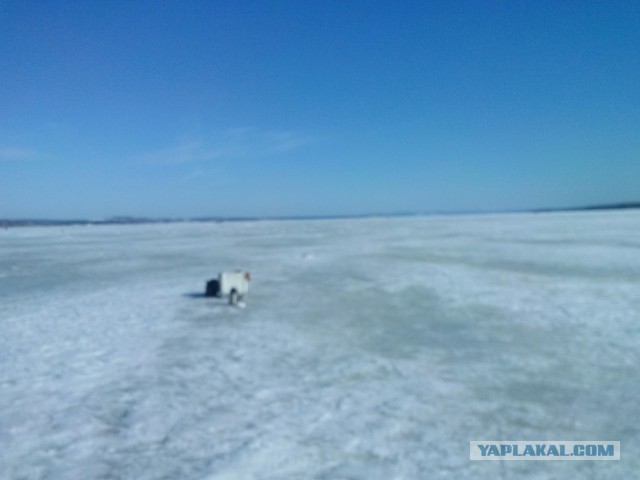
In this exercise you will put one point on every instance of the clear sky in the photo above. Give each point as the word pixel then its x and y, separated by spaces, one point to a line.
pixel 274 108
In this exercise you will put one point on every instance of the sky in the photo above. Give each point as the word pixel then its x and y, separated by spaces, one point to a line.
pixel 238 108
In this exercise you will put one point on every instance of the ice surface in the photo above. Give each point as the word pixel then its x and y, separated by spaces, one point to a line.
pixel 368 349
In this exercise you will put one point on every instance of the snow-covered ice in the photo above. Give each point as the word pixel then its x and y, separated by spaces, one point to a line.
pixel 368 349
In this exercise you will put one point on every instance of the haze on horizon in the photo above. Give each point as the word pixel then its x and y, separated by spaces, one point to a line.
pixel 191 109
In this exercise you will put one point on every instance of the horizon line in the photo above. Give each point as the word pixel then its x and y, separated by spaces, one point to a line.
pixel 131 220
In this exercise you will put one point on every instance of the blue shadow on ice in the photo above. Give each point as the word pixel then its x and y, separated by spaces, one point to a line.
pixel 194 295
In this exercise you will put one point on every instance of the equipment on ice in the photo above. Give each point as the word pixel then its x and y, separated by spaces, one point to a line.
pixel 234 285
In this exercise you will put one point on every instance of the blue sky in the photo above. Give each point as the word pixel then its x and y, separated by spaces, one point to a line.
pixel 215 108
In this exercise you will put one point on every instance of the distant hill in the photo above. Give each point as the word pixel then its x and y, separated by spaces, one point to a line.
pixel 615 206
pixel 611 206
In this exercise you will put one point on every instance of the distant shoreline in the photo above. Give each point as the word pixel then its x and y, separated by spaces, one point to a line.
pixel 144 221
pixel 613 206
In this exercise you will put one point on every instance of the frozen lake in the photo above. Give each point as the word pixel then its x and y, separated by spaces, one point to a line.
pixel 369 349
